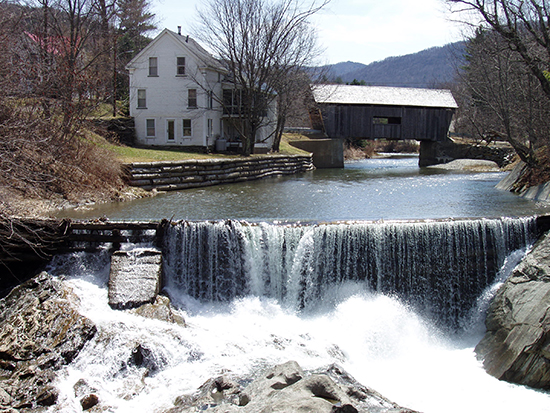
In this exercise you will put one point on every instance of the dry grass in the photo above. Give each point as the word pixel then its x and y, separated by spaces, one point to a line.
pixel 353 153
pixel 42 157
pixel 391 146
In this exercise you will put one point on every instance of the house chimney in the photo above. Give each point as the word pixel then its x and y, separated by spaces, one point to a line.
pixel 179 30
pixel 187 39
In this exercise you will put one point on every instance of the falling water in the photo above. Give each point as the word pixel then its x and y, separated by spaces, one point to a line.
pixel 440 267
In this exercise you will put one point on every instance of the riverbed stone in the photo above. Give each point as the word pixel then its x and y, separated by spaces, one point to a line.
pixel 469 165
pixel 162 309
pixel 135 277
pixel 516 346
pixel 286 388
pixel 41 330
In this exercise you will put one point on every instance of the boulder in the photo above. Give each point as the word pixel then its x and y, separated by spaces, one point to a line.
pixel 286 388
pixel 40 331
pixel 135 278
pixel 516 346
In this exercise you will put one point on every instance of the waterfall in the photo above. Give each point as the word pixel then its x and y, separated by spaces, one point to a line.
pixel 438 267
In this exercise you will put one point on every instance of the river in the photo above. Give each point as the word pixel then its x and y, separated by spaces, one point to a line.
pixel 383 336
pixel 386 188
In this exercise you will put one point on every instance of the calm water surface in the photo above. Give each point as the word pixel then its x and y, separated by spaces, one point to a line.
pixel 373 189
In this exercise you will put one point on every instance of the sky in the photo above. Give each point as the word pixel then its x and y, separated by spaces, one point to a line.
pixel 361 31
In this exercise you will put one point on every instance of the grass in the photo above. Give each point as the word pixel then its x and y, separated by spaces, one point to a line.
pixel 127 154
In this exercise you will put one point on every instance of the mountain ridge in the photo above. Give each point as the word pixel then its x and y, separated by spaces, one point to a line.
pixel 428 68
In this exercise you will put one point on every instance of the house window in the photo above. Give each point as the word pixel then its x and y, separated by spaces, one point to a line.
pixel 192 98
pixel 210 127
pixel 150 127
pixel 187 127
pixel 141 99
pixel 180 66
pixel 153 66
pixel 210 99
pixel 232 102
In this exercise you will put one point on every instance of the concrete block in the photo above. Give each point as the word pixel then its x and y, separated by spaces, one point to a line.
pixel 135 277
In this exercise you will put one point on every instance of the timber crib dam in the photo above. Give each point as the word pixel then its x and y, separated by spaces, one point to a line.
pixel 176 175
pixel 27 244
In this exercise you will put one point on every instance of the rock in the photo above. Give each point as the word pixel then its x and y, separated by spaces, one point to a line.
pixel 82 388
pixel 144 357
pixel 40 331
pixel 284 375
pixel 286 388
pixel 516 346
pixel 135 278
pixel 161 309
pixel 89 401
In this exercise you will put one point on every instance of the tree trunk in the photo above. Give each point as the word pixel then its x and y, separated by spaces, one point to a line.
pixel 281 120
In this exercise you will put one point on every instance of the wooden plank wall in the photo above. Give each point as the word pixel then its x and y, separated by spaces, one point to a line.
pixel 356 121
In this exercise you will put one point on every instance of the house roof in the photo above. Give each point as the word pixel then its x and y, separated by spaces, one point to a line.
pixel 207 60
pixel 382 95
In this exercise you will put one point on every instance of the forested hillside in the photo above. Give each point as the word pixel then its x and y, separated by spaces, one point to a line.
pixel 428 68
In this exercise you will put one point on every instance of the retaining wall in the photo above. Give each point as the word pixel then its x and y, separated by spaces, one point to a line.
pixel 175 175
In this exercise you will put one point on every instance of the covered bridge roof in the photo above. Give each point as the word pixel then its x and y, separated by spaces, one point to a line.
pixel 382 95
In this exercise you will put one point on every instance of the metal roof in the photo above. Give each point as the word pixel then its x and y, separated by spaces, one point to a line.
pixel 382 95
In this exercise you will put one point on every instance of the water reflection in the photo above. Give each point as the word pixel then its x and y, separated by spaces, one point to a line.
pixel 366 190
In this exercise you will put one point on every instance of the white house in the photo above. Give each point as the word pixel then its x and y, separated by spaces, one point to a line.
pixel 179 97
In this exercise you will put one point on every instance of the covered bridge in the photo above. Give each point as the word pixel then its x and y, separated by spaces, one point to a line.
pixel 374 112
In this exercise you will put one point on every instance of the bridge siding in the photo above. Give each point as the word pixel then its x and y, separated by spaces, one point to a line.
pixel 356 121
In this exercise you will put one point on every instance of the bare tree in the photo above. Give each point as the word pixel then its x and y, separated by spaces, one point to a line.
pixel 51 88
pixel 523 24
pixel 507 80
pixel 293 95
pixel 500 98
pixel 260 43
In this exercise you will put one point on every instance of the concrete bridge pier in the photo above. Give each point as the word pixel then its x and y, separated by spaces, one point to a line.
pixel 428 153
pixel 327 153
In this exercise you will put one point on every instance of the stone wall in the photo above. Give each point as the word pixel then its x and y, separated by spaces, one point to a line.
pixel 169 176
pixel 512 183
pixel 433 153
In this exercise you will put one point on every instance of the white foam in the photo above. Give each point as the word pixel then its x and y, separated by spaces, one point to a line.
pixel 377 339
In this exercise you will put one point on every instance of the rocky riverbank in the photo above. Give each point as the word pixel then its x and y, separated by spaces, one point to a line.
pixel 515 182
pixel 516 346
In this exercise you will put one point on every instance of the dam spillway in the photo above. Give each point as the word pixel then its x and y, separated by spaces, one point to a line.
pixel 438 267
